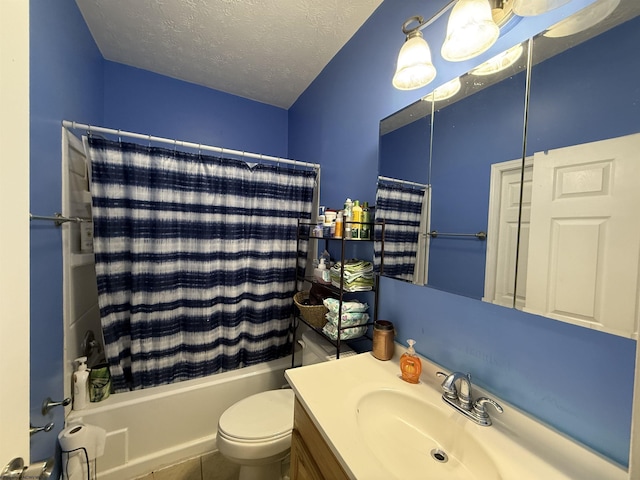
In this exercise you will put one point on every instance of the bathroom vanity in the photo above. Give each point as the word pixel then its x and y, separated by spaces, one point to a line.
pixel 311 457
pixel 356 418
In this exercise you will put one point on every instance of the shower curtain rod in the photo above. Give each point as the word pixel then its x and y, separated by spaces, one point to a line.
pixel 405 182
pixel 199 146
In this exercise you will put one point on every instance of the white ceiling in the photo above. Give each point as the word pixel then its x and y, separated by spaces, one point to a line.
pixel 269 51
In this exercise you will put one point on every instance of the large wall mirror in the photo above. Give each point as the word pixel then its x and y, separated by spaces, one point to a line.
pixel 583 89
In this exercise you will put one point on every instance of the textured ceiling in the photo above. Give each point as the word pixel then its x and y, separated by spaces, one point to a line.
pixel 269 51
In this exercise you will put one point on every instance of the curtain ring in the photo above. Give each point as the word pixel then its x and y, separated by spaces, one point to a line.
pixel 119 137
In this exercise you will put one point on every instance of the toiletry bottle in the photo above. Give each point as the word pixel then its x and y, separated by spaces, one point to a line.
pixel 323 273
pixel 348 206
pixel 80 388
pixel 327 258
pixel 339 225
pixel 356 214
pixel 410 364
pixel 365 232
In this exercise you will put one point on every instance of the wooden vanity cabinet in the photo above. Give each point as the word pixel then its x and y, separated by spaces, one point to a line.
pixel 311 458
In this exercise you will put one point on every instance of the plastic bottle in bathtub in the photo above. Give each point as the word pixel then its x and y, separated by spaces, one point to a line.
pixel 410 364
pixel 80 384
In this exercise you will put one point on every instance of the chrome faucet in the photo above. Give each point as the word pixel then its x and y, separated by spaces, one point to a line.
pixel 460 398
pixel 463 394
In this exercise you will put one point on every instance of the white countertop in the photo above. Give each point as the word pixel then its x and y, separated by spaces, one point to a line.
pixel 516 443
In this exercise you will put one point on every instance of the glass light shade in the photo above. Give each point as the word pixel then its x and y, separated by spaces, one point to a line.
pixel 444 91
pixel 471 30
pixel 583 19
pixel 415 68
pixel 500 62
pixel 530 8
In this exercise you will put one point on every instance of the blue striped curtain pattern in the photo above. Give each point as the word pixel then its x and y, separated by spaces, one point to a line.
pixel 400 206
pixel 195 260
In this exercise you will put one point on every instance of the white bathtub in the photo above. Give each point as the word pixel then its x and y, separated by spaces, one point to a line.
pixel 149 429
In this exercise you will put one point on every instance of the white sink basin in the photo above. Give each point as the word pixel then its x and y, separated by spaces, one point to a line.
pixel 408 435
pixel 382 428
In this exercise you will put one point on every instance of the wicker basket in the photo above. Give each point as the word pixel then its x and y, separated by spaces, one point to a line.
pixel 314 315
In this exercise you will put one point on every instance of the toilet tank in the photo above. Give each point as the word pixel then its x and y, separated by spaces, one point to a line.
pixel 316 349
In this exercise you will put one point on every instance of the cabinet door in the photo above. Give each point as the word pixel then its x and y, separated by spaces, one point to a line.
pixel 303 467
pixel 318 464
pixel 584 240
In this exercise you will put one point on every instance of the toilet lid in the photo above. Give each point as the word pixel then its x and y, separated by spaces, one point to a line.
pixel 263 415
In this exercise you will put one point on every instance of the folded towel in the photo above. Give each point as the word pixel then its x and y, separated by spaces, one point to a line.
pixel 357 275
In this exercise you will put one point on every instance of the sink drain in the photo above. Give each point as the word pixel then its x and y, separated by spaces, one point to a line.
pixel 439 456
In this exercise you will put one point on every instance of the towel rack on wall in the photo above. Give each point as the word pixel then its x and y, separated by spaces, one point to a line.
pixel 436 234
pixel 59 219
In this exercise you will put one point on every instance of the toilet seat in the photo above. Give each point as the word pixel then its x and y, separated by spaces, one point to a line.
pixel 263 416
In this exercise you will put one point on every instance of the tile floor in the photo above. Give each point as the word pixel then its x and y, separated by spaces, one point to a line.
pixel 212 466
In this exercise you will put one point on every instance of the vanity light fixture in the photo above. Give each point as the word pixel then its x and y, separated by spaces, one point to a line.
pixel 500 62
pixel 415 68
pixel 530 8
pixel 473 28
pixel 444 91
pixel 582 20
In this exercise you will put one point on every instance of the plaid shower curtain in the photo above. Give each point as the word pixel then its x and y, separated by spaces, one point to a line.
pixel 195 260
pixel 403 210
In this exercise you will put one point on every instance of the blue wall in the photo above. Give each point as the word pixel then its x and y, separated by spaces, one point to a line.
pixel 469 136
pixel 587 104
pixel 65 83
pixel 144 102
pixel 404 152
pixel 541 366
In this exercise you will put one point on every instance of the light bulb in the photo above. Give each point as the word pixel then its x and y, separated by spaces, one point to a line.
pixel 471 30
pixel 415 68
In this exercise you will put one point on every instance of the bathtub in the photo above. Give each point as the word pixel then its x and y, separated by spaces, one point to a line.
pixel 149 429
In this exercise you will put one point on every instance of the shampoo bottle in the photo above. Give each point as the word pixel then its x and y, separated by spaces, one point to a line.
pixel 365 232
pixel 356 213
pixel 339 225
pixel 80 385
pixel 410 364
pixel 348 206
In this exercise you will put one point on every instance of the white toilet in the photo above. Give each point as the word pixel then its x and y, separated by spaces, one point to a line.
pixel 256 431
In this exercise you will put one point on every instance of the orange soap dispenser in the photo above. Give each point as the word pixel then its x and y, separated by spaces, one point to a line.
pixel 410 364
